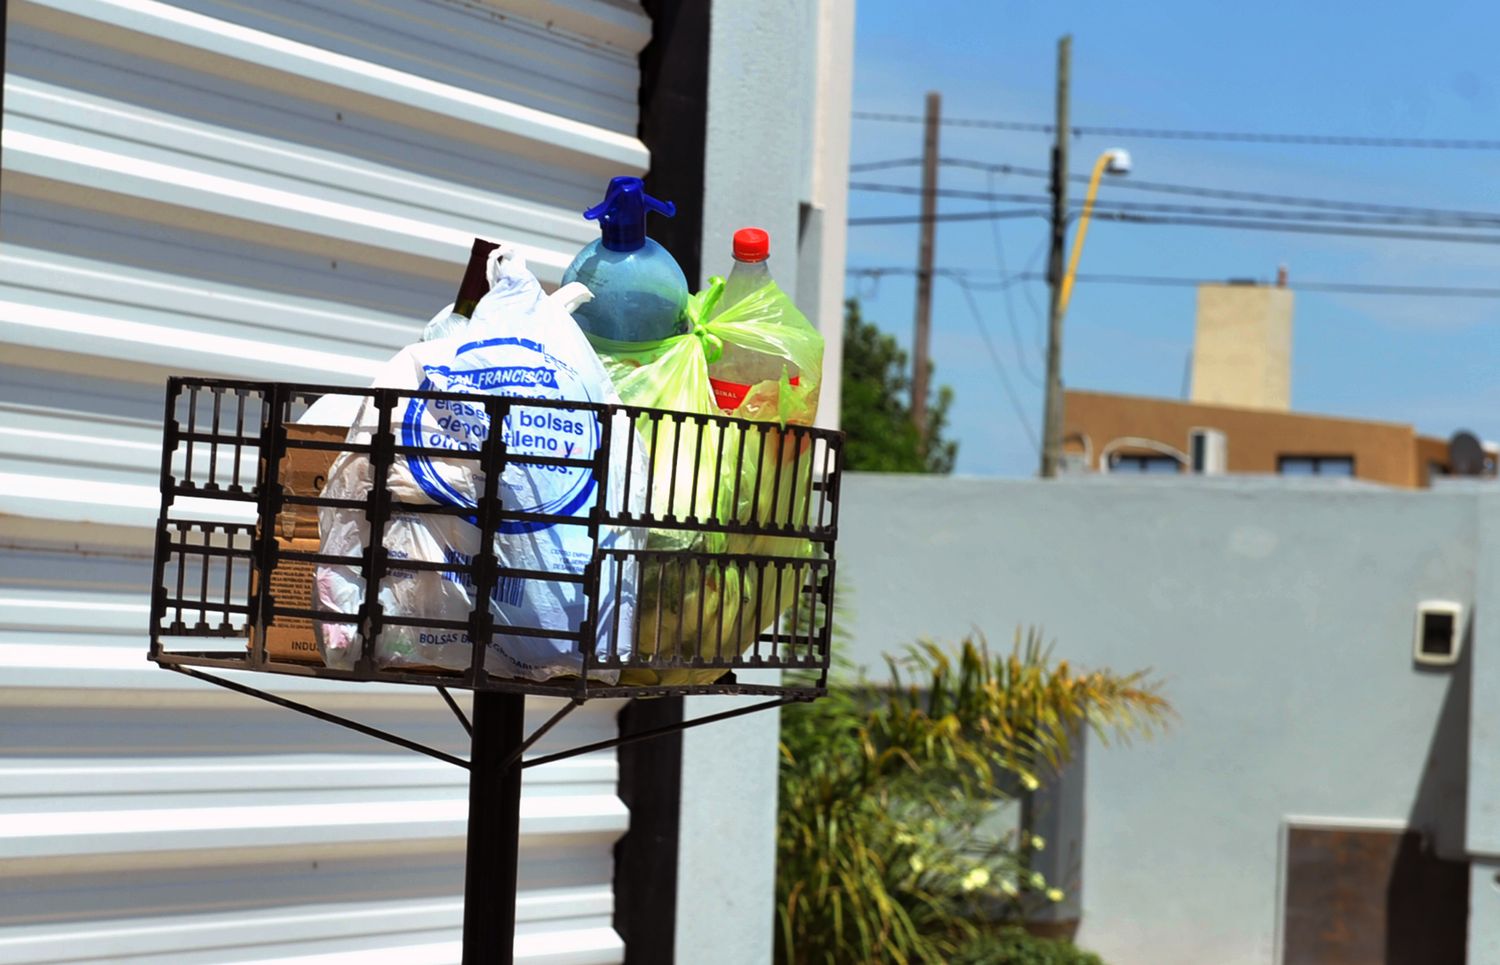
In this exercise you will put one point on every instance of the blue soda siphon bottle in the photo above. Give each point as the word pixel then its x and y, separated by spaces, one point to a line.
pixel 639 290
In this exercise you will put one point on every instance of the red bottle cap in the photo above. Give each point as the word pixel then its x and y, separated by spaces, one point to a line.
pixel 751 245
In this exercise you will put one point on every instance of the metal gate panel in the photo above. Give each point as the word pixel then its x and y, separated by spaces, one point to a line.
pixel 260 190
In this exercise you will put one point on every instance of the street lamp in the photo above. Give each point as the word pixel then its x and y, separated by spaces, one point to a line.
pixel 1114 161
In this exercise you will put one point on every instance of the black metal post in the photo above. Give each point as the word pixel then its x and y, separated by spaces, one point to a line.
pixel 494 830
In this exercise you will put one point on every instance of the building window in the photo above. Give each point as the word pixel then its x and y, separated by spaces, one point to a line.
pixel 1315 465
pixel 1146 463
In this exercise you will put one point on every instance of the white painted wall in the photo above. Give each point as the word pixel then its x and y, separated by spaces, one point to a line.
pixel 834 97
pixel 780 74
pixel 1482 814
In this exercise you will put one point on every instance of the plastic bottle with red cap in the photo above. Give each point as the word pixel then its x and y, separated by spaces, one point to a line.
pixel 752 249
pixel 738 368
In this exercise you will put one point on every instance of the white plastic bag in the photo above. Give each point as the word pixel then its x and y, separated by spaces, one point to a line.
pixel 513 291
pixel 513 346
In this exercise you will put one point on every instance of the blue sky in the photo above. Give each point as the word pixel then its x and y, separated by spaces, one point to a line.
pixel 1390 69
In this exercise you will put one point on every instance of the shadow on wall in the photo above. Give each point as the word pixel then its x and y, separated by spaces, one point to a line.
pixel 1440 809
pixel 1426 907
pixel 1394 895
pixel 1427 899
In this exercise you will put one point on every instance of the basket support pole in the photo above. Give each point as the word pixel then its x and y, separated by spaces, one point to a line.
pixel 494 829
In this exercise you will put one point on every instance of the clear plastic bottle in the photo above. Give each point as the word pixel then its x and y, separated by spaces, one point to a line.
pixel 738 368
pixel 639 289
pixel 752 269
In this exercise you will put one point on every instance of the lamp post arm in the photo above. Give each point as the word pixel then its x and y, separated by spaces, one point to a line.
pixel 1066 292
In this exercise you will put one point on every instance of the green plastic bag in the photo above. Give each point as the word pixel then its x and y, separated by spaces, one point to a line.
pixel 717 609
pixel 673 373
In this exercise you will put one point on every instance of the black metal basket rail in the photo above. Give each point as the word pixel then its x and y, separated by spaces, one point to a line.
pixel 731 560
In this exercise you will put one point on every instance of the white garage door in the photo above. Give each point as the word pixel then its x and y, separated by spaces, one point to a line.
pixel 276 189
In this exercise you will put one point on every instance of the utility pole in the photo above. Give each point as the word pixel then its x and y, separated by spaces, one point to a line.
pixel 1052 427
pixel 924 269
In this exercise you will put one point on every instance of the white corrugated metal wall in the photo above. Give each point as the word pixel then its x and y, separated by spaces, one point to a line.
pixel 274 190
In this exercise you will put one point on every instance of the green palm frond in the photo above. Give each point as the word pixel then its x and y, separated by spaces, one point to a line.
pixel 884 787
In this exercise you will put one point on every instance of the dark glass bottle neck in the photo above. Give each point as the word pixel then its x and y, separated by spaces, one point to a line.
pixel 476 282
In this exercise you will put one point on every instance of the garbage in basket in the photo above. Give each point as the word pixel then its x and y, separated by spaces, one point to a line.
pixel 732 475
pixel 241 464
pixel 489 274
pixel 302 472
pixel 746 361
pixel 639 289
pixel 522 349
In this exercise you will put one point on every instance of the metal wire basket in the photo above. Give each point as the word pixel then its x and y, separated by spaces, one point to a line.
pixel 724 548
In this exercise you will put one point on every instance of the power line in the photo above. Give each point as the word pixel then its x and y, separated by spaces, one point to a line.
pixel 906 162
pixel 1445 220
pixel 1135 184
pixel 880 188
pixel 1183 281
pixel 1227 194
pixel 1026 292
pixel 1295 227
pixel 1015 330
pixel 1034 128
pixel 1010 302
pixel 960 216
pixel 1350 227
pixel 1251 137
pixel 1292 200
pixel 880 271
pixel 1350 288
pixel 989 344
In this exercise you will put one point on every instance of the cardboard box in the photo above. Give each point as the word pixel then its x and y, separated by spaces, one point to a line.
pixel 293 638
pixel 303 472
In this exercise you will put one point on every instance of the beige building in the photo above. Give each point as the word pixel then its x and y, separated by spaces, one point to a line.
pixel 1242 349
pixel 1122 433
pixel 1238 418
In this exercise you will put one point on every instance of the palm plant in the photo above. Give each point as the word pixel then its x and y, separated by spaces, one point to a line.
pixel 885 791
